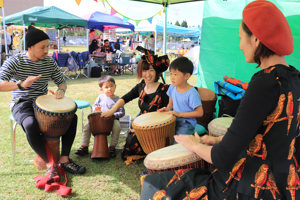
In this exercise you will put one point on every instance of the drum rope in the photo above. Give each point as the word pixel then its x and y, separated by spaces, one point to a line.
pixel 41 182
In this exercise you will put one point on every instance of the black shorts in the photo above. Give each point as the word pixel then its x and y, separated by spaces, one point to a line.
pixel 22 109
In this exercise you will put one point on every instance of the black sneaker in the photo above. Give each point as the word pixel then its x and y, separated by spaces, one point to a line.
pixel 112 152
pixel 82 151
pixel 54 175
pixel 72 167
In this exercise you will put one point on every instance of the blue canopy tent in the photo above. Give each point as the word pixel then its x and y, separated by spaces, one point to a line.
pixel 102 21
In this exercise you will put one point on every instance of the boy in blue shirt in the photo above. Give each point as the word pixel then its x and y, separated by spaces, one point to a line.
pixel 184 99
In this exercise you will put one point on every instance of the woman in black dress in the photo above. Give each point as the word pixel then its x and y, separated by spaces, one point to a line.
pixel 255 159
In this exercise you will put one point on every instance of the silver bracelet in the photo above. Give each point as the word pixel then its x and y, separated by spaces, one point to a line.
pixel 61 89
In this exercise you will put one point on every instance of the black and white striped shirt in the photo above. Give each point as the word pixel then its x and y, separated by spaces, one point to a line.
pixel 20 67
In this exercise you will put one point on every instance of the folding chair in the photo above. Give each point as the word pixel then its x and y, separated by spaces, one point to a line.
pixel 62 62
pixel 107 66
pixel 83 62
pixel 125 65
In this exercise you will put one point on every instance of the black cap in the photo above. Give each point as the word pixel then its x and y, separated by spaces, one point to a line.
pixel 34 36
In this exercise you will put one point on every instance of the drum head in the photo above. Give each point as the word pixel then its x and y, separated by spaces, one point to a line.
pixel 170 157
pixel 220 125
pixel 152 118
pixel 51 104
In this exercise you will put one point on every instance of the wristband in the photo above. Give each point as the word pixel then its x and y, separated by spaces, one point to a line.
pixel 61 89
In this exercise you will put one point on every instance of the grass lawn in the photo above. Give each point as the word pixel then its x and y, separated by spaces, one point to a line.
pixel 110 179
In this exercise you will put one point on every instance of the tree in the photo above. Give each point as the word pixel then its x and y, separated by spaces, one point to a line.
pixel 184 24
pixel 177 23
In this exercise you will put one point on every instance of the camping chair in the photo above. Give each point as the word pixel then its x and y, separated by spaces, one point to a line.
pixel 83 62
pixel 62 62
pixel 82 59
pixel 107 66
pixel 125 65
pixel 208 99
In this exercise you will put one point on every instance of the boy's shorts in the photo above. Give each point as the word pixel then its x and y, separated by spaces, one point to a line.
pixel 183 127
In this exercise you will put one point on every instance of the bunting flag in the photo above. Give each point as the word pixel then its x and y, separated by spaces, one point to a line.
pixel 125 19
pixel 78 2
pixel 96 1
pixel 159 13
pixel 137 22
pixel 112 12
pixel 1 3
pixel 150 20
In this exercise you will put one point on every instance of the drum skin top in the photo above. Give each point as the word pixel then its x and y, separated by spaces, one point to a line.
pixel 170 157
pixel 152 118
pixel 220 125
pixel 51 104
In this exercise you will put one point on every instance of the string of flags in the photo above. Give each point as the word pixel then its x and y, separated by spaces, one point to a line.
pixel 125 19
pixel 137 21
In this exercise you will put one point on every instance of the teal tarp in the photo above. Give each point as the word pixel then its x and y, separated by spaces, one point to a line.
pixel 172 30
pixel 45 16
pixel 220 52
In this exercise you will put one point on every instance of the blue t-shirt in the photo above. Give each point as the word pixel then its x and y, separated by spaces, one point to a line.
pixel 185 102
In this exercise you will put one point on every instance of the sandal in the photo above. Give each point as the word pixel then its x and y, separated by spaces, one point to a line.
pixel 54 175
pixel 82 151
pixel 72 167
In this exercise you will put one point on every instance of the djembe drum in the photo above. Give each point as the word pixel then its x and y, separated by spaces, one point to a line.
pixel 218 127
pixel 173 158
pixel 154 130
pixel 54 117
pixel 100 128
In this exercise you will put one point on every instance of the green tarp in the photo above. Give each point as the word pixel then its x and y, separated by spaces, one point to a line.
pixel 220 51
pixel 45 16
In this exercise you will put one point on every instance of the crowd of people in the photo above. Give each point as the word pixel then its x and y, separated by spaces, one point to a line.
pixel 253 160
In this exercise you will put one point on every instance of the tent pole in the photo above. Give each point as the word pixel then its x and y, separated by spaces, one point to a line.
pixel 4 29
pixel 58 43
pixel 23 38
pixel 155 41
pixel 87 37
pixel 165 34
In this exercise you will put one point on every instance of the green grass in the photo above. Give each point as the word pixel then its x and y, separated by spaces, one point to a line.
pixel 103 180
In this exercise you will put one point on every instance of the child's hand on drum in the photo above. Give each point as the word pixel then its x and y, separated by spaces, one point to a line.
pixel 177 114
pixel 210 140
pixel 164 109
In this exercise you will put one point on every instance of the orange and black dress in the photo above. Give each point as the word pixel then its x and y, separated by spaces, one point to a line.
pixel 132 150
pixel 255 159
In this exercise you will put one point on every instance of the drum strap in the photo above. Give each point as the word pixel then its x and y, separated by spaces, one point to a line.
pixel 41 182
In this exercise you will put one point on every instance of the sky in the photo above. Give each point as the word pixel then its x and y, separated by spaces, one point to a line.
pixel 191 12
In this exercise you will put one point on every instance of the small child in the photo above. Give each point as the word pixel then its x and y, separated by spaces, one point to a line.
pixel 184 99
pixel 106 101
pixel 97 51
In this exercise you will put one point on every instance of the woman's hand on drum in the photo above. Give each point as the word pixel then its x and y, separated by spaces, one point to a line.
pixel 190 142
pixel 210 140
pixel 107 113
pixel 30 80
pixel 58 94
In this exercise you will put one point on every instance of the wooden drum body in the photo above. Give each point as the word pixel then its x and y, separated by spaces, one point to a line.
pixel 100 128
pixel 172 158
pixel 54 117
pixel 218 127
pixel 154 130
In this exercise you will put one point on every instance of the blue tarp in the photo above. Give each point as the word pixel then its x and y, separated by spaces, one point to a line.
pixel 102 21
